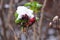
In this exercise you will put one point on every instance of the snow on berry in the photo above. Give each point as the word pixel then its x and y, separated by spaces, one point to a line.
pixel 25 16
pixel 22 10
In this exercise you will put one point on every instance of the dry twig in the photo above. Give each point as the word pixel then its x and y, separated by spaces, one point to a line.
pixel 10 13
pixel 3 23
pixel 41 18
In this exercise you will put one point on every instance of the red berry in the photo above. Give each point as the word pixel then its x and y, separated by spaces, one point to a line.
pixel 32 20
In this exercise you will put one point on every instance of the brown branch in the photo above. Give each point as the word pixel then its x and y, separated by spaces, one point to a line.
pixel 3 23
pixel 41 18
pixel 10 13
pixel 34 26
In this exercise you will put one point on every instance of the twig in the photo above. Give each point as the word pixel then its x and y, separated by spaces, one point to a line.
pixel 3 23
pixel 10 13
pixel 34 26
pixel 41 18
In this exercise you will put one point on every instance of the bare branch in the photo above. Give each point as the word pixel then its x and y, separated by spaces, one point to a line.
pixel 3 23
pixel 10 13
pixel 41 18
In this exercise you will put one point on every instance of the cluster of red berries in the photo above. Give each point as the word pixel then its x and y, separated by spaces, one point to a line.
pixel 28 21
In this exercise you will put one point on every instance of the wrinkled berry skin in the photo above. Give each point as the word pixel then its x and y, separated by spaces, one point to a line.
pixel 32 20
pixel 25 17
pixel 28 21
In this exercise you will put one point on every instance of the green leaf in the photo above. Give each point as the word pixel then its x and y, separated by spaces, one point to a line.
pixel 18 21
pixel 38 5
pixel 35 6
pixel 28 4
pixel 16 15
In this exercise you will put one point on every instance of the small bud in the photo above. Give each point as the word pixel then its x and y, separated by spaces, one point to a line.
pixel 55 18
pixel 50 23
